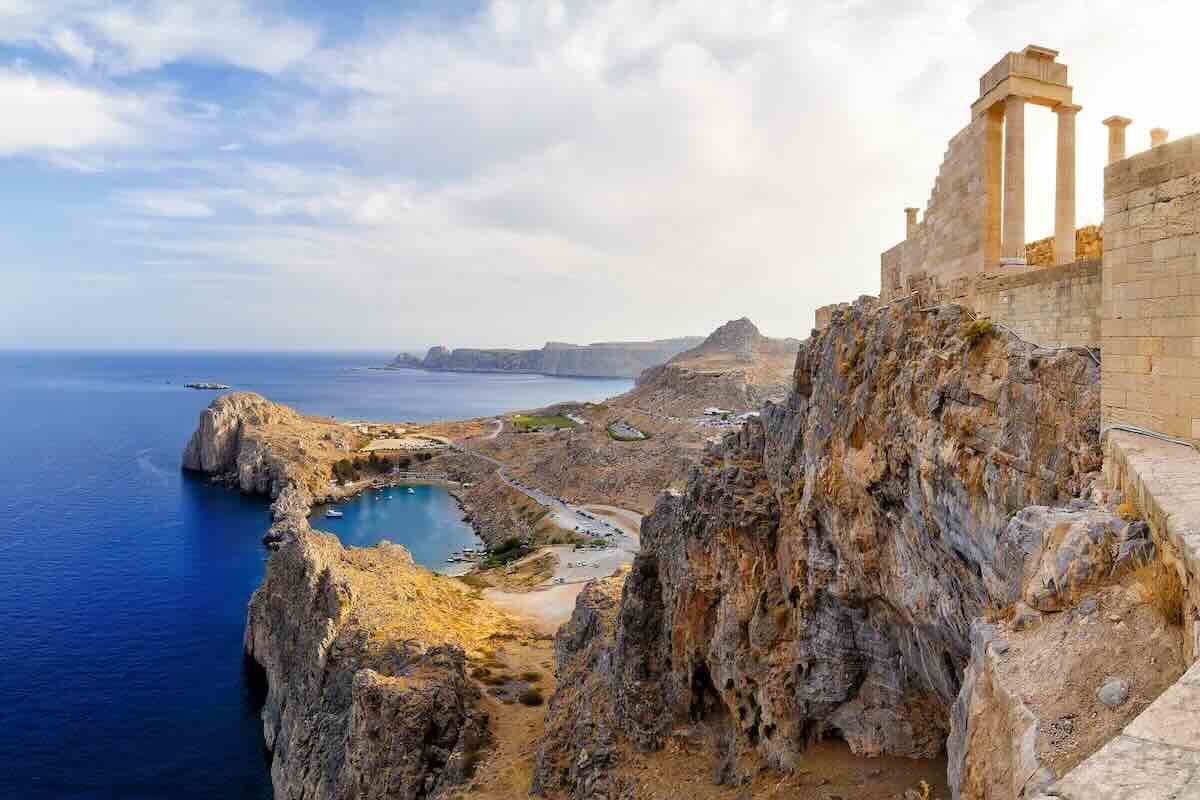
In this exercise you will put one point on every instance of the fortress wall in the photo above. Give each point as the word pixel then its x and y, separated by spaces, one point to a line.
pixel 945 251
pixel 824 314
pixel 1151 290
pixel 1053 307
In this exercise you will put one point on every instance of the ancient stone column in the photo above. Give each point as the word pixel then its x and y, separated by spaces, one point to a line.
pixel 910 222
pixel 1064 187
pixel 1012 248
pixel 1158 136
pixel 993 183
pixel 1116 137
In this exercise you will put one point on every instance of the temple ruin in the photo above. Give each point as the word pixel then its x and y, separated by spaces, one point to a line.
pixel 1130 288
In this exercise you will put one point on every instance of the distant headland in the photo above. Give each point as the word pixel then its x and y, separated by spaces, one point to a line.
pixel 597 360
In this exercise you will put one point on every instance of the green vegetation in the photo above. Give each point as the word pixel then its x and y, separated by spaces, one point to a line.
pixel 530 422
pixel 474 581
pixel 598 542
pixel 531 677
pixel 508 551
pixel 349 470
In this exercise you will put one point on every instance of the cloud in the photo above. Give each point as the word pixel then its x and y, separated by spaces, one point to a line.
pixel 630 168
pixel 167 204
pixel 140 35
pixel 45 113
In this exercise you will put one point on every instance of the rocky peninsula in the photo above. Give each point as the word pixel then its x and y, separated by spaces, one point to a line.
pixel 597 360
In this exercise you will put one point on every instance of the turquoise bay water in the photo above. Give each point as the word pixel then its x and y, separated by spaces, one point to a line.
pixel 425 519
pixel 123 582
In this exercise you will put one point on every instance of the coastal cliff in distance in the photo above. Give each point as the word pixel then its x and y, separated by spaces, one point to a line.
pixel 597 360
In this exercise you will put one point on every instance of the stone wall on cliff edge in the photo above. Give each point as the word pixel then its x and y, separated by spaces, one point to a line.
pixel 820 572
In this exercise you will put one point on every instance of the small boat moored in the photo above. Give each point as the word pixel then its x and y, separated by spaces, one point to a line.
pixel 411 491
pixel 333 514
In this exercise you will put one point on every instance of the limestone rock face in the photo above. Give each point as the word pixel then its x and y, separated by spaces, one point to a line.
pixel 578 747
pixel 820 571
pixel 735 367
pixel 230 443
pixel 351 713
pixel 215 446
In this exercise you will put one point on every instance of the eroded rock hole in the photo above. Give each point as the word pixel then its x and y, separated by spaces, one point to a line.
pixel 705 699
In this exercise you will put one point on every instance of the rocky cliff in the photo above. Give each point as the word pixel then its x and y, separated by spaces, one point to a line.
pixel 363 651
pixel 820 572
pixel 598 360
pixel 735 367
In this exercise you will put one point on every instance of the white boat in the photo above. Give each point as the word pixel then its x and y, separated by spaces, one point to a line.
pixel 332 514
pixel 410 490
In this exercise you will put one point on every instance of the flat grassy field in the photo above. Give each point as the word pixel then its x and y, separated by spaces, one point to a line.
pixel 526 422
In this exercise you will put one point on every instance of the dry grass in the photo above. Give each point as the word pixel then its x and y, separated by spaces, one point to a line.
pixel 1128 511
pixel 975 332
pixel 994 614
pixel 1161 589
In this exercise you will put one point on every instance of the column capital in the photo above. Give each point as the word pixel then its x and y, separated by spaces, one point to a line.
pixel 1116 121
pixel 1158 136
pixel 1067 108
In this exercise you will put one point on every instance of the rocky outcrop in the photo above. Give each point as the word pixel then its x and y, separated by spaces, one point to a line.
pixel 820 572
pixel 735 367
pixel 598 360
pixel 364 661
pixel 578 747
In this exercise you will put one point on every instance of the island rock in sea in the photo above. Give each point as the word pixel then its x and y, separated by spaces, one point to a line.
pixel 363 651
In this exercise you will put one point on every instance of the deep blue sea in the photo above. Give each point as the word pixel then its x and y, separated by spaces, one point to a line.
pixel 123 583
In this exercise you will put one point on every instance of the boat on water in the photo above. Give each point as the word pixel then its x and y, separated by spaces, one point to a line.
pixel 333 514
pixel 411 491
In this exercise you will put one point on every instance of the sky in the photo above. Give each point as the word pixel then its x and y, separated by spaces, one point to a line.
pixel 233 174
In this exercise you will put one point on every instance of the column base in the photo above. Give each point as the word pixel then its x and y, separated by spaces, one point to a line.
pixel 1009 261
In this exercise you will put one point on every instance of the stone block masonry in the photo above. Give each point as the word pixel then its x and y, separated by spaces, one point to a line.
pixel 1150 324
pixel 1052 307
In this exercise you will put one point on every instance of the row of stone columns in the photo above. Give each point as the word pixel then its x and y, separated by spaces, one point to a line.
pixel 1012 245
pixel 1116 137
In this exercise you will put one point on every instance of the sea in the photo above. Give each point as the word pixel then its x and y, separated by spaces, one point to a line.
pixel 124 582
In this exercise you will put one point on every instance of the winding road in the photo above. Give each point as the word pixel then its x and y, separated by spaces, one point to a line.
pixel 551 604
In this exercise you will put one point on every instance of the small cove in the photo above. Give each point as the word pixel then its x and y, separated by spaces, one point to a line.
pixel 424 518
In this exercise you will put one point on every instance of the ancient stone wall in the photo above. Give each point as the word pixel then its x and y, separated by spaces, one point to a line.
pixel 945 251
pixel 1151 290
pixel 1089 246
pixel 1053 307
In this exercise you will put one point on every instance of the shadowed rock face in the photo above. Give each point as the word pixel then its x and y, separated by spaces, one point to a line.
pixel 820 572
pixel 350 714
